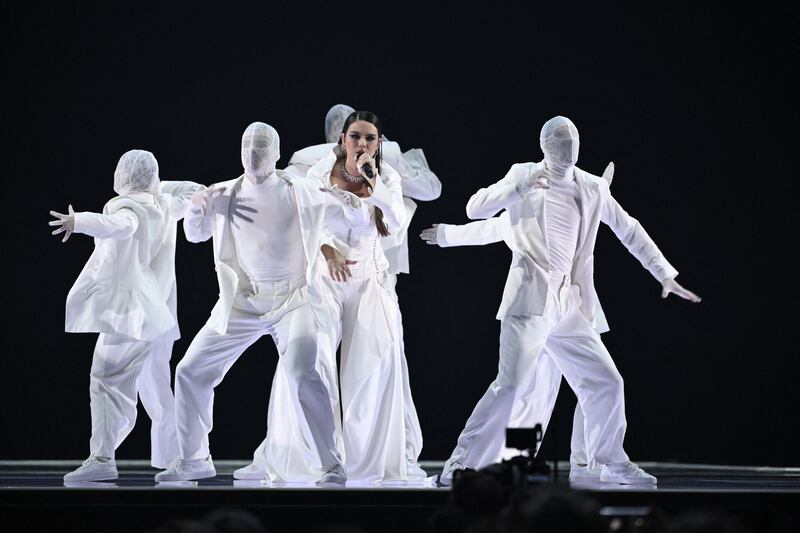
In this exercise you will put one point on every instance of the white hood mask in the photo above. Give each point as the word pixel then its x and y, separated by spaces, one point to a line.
pixel 334 121
pixel 137 171
pixel 260 150
pixel 560 142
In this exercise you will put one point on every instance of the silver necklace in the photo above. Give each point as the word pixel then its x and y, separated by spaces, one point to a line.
pixel 349 177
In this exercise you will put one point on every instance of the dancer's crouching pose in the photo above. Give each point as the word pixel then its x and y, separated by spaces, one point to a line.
pixel 267 230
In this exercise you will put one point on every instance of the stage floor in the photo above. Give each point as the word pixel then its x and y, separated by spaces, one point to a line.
pixel 138 475
pixel 33 493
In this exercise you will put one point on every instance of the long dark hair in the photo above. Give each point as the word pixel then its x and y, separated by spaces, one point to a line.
pixel 341 154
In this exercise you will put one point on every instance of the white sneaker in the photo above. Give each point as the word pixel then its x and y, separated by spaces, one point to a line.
pixel 450 467
pixel 584 474
pixel 250 471
pixel 414 471
pixel 94 469
pixel 334 475
pixel 626 473
pixel 188 470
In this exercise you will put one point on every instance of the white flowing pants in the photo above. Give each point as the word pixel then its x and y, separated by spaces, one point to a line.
pixel 381 431
pixel 283 313
pixel 285 453
pixel 122 370
pixel 579 354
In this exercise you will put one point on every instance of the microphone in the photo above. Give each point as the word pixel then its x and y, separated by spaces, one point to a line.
pixel 368 171
pixel 366 168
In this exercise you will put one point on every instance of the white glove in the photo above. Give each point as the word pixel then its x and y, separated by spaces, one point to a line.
pixel 66 223
pixel 534 180
pixel 429 235
pixel 608 173
pixel 202 197
pixel 670 285
pixel 346 198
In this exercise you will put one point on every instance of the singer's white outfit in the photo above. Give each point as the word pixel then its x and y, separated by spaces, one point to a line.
pixel 376 424
pixel 418 182
pixel 266 267
pixel 127 293
pixel 550 302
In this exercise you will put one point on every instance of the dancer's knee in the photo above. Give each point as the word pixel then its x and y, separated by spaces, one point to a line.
pixel 300 358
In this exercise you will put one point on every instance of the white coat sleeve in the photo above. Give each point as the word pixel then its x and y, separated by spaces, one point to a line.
pixel 388 196
pixel 298 169
pixel 416 179
pixel 472 234
pixel 489 201
pixel 120 225
pixel 181 192
pixel 635 238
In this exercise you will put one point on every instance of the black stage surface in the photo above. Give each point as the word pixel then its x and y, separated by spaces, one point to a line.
pixel 33 498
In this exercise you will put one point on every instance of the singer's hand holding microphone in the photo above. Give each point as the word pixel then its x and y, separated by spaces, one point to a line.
pixel 366 167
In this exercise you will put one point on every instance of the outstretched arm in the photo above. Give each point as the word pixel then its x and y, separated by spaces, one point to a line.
pixel 472 234
pixel 119 225
pixel 519 181
pixel 181 192
pixel 640 245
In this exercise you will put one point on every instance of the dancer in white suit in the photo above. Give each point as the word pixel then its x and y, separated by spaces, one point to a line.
pixel 267 231
pixel 127 294
pixel 417 182
pixel 552 214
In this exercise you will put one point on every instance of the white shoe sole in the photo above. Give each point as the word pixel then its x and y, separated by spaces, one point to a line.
pixel 630 481
pixel 110 476
pixel 192 477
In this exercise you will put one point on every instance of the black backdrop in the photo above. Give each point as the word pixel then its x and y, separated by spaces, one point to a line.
pixel 694 107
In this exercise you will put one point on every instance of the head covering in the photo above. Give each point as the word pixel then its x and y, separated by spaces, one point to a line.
pixel 334 121
pixel 260 149
pixel 560 142
pixel 137 171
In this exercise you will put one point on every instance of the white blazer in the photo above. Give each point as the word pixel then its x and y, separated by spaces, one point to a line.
pixel 522 227
pixel 128 284
pixel 417 181
pixel 217 224
pixel 387 193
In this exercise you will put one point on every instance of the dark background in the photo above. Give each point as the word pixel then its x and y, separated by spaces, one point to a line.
pixel 694 107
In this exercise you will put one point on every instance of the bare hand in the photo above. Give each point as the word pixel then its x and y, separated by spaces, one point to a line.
pixel 66 223
pixel 201 198
pixel 338 265
pixel 429 235
pixel 669 285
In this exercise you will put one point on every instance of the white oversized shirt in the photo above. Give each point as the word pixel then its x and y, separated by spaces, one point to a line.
pixel 269 246
pixel 562 220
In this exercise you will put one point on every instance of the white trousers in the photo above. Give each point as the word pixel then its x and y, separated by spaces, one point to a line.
pixel 535 406
pixel 285 453
pixel 285 315
pixel 380 428
pixel 579 354
pixel 122 369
